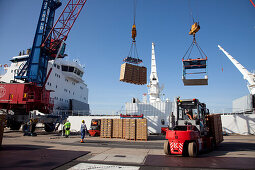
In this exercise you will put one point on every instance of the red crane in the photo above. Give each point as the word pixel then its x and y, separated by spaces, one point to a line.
pixel 62 27
pixel 22 98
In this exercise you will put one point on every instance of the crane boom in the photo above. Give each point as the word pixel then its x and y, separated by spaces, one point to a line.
pixel 35 69
pixel 246 74
pixel 62 27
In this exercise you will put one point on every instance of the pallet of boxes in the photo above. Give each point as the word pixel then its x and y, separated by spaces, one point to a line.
pixel 2 125
pixel 117 128
pixel 141 129
pixel 106 128
pixel 215 127
pixel 133 74
pixel 130 129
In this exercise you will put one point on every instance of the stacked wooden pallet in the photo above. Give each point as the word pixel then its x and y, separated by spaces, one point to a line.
pixel 133 74
pixel 215 127
pixel 2 125
pixel 141 129
pixel 117 128
pixel 106 128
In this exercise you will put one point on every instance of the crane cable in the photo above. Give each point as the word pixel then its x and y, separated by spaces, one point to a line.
pixel 191 12
pixel 134 11
pixel 194 42
pixel 133 53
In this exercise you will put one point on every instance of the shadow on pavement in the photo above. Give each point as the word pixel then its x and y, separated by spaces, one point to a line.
pixel 200 162
pixel 35 157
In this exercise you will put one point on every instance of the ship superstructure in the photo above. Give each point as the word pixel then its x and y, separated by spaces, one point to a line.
pixel 69 91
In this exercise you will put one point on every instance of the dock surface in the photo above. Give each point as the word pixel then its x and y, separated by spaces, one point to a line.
pixel 51 151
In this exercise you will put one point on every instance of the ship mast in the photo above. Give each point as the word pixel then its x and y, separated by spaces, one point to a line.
pixel 154 83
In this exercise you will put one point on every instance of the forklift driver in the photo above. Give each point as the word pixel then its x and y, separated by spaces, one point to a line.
pixel 189 114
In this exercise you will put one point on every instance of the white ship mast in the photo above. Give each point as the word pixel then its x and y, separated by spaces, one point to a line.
pixel 246 74
pixel 154 84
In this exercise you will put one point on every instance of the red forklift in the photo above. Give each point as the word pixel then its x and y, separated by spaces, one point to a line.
pixel 95 127
pixel 194 130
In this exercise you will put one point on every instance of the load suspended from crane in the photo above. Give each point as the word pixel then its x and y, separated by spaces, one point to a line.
pixel 194 66
pixel 130 71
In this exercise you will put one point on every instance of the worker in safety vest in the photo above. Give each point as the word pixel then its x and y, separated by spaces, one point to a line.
pixel 83 130
pixel 67 128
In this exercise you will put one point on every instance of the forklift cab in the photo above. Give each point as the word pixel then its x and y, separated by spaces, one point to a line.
pixel 191 112
pixel 95 124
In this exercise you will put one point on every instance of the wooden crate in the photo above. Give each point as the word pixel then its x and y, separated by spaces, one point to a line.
pixel 133 74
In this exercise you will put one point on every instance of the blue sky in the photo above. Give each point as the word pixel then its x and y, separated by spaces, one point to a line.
pixel 101 38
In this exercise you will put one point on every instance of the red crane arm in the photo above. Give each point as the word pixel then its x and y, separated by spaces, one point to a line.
pixel 63 25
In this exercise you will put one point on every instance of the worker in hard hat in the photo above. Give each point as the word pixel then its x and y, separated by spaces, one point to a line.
pixel 83 130
pixel 67 128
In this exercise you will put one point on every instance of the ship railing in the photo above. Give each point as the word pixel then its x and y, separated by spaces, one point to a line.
pixel 71 112
pixel 227 111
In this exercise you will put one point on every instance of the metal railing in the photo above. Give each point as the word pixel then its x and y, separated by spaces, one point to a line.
pixel 71 112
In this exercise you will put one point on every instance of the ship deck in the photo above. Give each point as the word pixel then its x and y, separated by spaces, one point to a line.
pixel 52 151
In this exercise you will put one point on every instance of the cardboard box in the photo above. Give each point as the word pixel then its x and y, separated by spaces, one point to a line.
pixel 215 127
pixel 141 129
pixel 133 74
pixel 106 128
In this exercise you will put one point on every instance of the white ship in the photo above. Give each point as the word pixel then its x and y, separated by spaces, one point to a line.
pixel 69 91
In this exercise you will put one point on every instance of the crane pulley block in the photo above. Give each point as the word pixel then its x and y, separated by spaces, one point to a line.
pixel 194 28
pixel 133 32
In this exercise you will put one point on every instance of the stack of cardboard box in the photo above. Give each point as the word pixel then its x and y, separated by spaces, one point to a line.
pixel 132 129
pixel 106 128
pixel 126 128
pixel 143 75
pixel 141 129
pixel 133 74
pixel 117 128
pixel 215 127
pixel 129 129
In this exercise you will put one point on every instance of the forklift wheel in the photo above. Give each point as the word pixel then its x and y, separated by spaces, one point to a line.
pixel 192 149
pixel 167 148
